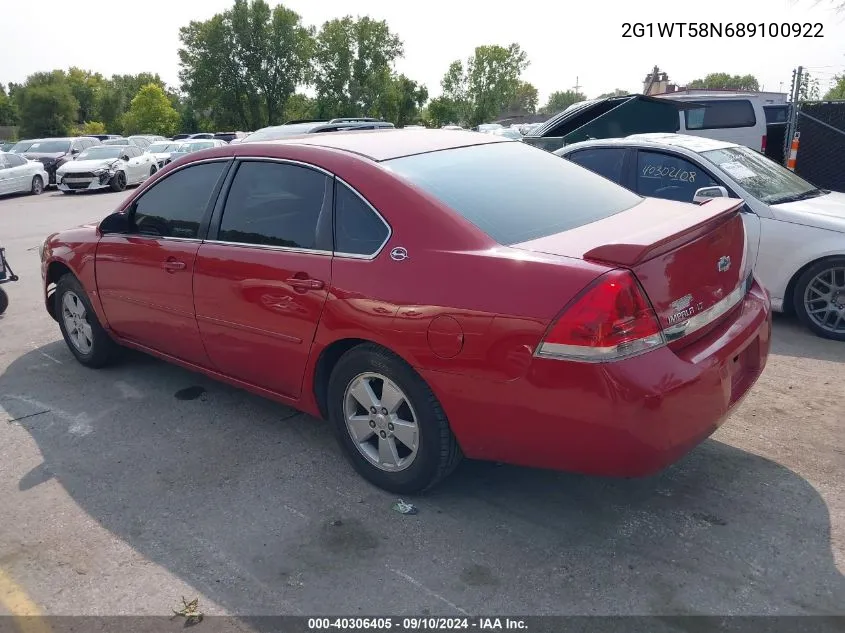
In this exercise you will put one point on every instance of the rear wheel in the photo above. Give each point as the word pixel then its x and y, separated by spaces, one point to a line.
pixel 118 182
pixel 37 186
pixel 389 422
pixel 819 298
pixel 4 301
pixel 85 337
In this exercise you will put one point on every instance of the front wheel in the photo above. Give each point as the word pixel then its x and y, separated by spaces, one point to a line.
pixel 389 423
pixel 4 301
pixel 37 187
pixel 81 329
pixel 118 181
pixel 819 298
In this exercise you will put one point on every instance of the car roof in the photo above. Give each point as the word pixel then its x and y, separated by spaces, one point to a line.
pixel 387 143
pixel 695 144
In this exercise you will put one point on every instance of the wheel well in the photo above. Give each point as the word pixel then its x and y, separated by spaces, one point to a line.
pixel 788 301
pixel 55 271
pixel 325 364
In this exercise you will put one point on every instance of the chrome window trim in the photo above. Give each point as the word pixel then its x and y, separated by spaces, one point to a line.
pixel 269 247
pixel 378 215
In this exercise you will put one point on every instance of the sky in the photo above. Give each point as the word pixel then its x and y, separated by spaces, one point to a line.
pixel 568 43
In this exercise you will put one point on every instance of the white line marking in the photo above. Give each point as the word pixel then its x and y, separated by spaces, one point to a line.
pixel 419 585
pixel 45 354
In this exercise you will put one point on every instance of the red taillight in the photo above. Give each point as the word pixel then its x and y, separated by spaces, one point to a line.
pixel 612 320
pixel 763 144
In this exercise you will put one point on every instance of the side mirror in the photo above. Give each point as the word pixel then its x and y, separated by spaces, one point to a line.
pixel 124 157
pixel 708 193
pixel 114 223
pixel 74 151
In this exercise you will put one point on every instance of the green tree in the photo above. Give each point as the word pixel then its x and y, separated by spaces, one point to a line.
pixel 617 92
pixel 86 88
pixel 151 112
pixel 402 100
pixel 524 101
pixel 726 81
pixel 245 63
pixel 8 111
pixel 300 106
pixel 808 90
pixel 490 80
pixel 353 60
pixel 443 111
pixel 47 109
pixel 837 91
pixel 562 99
pixel 91 127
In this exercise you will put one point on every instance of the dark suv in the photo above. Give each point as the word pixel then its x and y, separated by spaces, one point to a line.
pixel 55 152
pixel 293 128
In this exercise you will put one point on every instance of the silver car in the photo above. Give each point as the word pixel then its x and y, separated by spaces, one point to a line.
pixel 105 166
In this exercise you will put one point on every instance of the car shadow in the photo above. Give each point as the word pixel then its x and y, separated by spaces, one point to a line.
pixel 254 506
pixel 791 338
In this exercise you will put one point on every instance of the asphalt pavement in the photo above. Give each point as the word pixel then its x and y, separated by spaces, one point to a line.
pixel 124 489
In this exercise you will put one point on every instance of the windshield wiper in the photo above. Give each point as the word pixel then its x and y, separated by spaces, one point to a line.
pixel 812 193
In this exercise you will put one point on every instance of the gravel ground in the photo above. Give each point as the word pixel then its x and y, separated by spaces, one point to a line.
pixel 121 492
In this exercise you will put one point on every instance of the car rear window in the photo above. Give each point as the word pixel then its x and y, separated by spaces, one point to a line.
pixel 512 191
pixel 724 113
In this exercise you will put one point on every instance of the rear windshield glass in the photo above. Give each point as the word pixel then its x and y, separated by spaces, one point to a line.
pixel 776 114
pixel 514 192
pixel 725 113
pixel 49 147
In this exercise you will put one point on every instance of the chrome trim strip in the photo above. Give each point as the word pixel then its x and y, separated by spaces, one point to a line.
pixel 269 247
pixel 703 319
pixel 378 215
pixel 581 354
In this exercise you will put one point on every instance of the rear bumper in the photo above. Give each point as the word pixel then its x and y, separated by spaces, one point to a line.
pixel 627 418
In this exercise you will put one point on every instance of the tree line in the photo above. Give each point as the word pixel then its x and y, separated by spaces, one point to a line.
pixel 255 65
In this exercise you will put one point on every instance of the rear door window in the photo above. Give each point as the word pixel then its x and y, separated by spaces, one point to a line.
pixel 278 204
pixel 605 161
pixel 722 113
pixel 359 231
pixel 669 177
pixel 512 191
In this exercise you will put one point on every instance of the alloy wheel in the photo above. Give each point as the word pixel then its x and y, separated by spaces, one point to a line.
pixel 824 300
pixel 76 323
pixel 381 421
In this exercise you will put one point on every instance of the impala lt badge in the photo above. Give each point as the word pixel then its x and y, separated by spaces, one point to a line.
pixel 724 264
pixel 682 309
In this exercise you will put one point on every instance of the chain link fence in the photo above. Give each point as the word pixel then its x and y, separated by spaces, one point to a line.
pixel 821 151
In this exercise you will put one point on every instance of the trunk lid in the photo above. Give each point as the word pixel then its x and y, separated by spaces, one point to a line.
pixel 689 259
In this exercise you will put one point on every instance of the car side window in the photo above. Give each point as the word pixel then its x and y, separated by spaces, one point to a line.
pixel 277 204
pixel 77 145
pixel 175 205
pixel 669 177
pixel 134 152
pixel 13 160
pixel 357 228
pixel 605 161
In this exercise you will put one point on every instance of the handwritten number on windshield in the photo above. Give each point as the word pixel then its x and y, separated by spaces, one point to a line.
pixel 671 173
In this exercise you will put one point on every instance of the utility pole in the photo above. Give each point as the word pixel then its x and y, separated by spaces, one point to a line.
pixel 577 85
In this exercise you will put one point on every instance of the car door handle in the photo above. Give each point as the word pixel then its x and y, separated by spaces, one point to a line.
pixel 171 265
pixel 306 284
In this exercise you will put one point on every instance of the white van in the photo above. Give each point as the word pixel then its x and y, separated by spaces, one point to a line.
pixel 732 117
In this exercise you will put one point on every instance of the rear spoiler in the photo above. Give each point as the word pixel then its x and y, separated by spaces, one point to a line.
pixel 653 241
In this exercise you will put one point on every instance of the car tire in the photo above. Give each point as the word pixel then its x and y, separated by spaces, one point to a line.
pixel 37 187
pixel 822 286
pixel 4 301
pixel 91 345
pixel 418 465
pixel 118 182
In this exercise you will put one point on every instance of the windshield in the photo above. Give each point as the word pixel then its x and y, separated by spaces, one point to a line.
pixel 156 148
pixel 116 141
pixel 514 192
pixel 762 178
pixel 49 147
pixel 279 131
pixel 100 152
pixel 20 147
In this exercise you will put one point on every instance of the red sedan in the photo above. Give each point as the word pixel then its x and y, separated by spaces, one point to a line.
pixel 432 294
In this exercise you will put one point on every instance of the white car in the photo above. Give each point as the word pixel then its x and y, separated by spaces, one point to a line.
pixel 102 166
pixel 19 175
pixel 161 151
pixel 796 231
